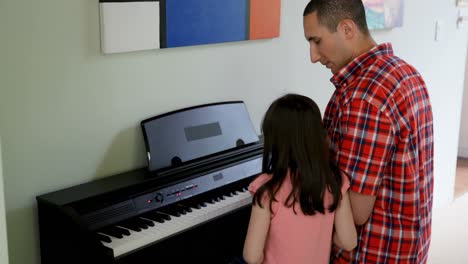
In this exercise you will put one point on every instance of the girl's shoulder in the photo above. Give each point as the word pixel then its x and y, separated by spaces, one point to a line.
pixel 258 182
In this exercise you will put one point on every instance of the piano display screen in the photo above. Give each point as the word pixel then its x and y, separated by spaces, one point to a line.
pixel 202 131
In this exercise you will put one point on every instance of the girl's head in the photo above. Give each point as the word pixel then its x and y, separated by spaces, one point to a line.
pixel 296 141
pixel 293 132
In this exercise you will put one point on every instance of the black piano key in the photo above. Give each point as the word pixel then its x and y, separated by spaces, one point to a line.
pixel 155 218
pixel 131 225
pixel 193 203
pixel 148 215
pixel 120 231
pixel 140 223
pixel 133 228
pixel 161 217
pixel 186 208
pixel 174 213
pixel 189 209
pixel 211 198
pixel 170 211
pixel 113 232
pixel 165 216
pixel 198 202
pixel 104 238
pixel 147 222
pixel 216 196
pixel 125 232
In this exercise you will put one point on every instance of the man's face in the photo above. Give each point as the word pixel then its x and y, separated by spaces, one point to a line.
pixel 328 48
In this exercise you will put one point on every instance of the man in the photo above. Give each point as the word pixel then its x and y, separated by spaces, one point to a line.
pixel 379 121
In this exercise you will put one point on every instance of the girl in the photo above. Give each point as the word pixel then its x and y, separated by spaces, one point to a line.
pixel 300 198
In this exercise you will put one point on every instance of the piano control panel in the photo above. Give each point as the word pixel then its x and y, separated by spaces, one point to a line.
pixel 192 187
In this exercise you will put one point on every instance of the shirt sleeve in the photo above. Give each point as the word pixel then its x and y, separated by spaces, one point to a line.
pixel 365 146
pixel 257 183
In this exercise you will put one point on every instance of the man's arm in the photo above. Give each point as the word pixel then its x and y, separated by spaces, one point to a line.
pixel 364 148
pixel 362 206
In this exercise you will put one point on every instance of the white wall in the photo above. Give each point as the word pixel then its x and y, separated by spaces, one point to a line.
pixel 463 144
pixel 443 66
pixel 3 234
pixel 70 115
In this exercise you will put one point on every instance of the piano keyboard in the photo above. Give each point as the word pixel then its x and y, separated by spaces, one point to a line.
pixel 152 227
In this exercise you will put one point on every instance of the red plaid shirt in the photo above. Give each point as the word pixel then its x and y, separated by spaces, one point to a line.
pixel 379 120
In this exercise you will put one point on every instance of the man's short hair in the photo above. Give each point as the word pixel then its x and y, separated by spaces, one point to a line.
pixel 331 12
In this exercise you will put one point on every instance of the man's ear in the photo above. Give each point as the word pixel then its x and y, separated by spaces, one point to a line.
pixel 348 28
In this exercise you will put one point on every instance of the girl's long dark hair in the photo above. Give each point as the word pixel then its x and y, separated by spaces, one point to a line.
pixel 295 140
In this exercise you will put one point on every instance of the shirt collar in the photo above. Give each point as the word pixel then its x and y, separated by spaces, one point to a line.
pixel 346 75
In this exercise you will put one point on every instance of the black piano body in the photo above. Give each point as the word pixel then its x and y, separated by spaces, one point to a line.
pixel 190 205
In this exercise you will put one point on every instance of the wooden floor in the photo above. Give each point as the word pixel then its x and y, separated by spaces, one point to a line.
pixel 461 180
pixel 449 232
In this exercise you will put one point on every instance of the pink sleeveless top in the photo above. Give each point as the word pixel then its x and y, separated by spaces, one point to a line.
pixel 296 238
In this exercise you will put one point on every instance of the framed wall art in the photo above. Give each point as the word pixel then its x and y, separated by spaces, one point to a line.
pixel 384 14
pixel 129 25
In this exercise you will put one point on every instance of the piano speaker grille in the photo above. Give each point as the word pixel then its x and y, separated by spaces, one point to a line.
pixel 114 212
